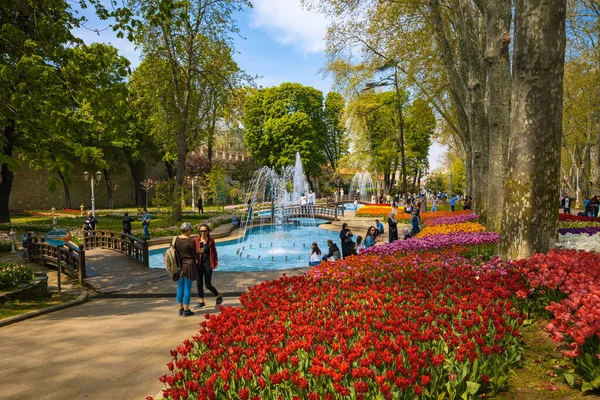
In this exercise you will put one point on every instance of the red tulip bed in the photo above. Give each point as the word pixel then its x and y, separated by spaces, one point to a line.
pixel 428 323
pixel 568 281
pixel 388 327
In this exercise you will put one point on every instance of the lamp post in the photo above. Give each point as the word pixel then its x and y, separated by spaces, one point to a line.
pixel 12 240
pixel 90 177
pixel 193 205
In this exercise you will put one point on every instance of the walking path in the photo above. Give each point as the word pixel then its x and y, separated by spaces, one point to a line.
pixel 117 344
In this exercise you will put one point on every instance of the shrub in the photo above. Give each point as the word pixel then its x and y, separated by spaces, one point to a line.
pixel 12 275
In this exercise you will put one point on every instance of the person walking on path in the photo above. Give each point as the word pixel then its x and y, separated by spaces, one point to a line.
pixel 565 203
pixel 452 202
pixel 334 251
pixel 127 220
pixel 188 259
pixel 342 194
pixel 315 256
pixel 347 242
pixel 209 260
pixel 393 227
pixel 146 223
pixel 200 207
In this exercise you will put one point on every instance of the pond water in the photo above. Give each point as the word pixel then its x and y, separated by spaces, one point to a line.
pixel 281 247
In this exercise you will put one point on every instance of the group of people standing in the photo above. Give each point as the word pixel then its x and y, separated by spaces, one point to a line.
pixel 197 259
pixel 591 206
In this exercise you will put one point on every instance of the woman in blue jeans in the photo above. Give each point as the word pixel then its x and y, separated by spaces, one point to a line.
pixel 188 259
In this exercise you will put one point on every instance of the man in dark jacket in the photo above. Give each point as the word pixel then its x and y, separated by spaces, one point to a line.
pixel 334 251
pixel 127 220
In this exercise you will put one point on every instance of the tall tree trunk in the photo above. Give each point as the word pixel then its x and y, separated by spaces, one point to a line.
pixel 7 175
pixel 532 186
pixel 597 180
pixel 109 189
pixel 170 170
pixel 140 195
pixel 478 127
pixel 66 190
pixel 498 20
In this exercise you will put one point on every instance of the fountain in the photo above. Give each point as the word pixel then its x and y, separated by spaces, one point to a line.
pixel 271 239
pixel 362 185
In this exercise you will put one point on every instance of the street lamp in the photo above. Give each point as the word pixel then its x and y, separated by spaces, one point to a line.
pixel 193 205
pixel 90 177
pixel 12 236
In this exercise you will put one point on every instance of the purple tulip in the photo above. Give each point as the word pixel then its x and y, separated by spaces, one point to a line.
pixel 588 230
pixel 434 242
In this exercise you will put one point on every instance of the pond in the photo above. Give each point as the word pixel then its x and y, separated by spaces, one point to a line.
pixel 268 247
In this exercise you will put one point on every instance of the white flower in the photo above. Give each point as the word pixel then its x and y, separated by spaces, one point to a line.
pixel 579 242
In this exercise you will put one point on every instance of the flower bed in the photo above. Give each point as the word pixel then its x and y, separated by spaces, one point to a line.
pixel 588 230
pixel 431 215
pixel 451 228
pixel 13 275
pixel 577 224
pixel 569 281
pixel 570 217
pixel 359 336
pixel 435 242
pixel 452 219
pixel 579 242
pixel 378 211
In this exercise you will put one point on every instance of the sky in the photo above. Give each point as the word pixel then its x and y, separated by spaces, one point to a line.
pixel 279 41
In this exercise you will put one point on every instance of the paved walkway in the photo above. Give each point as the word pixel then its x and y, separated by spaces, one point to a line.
pixel 114 346
pixel 117 344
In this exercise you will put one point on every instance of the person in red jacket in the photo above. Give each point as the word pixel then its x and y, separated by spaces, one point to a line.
pixel 209 260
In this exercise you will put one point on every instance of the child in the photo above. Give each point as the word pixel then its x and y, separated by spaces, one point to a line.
pixel 315 256
pixel 360 246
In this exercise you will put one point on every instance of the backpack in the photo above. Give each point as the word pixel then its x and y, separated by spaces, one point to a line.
pixel 171 259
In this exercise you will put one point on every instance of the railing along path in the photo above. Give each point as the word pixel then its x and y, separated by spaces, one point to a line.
pixel 72 258
pixel 128 245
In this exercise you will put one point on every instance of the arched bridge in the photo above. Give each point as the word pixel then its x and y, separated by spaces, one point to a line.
pixel 328 212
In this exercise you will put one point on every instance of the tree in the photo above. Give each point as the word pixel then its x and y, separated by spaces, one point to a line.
pixel 531 190
pixel 189 39
pixel 283 120
pixel 334 144
pixel 35 37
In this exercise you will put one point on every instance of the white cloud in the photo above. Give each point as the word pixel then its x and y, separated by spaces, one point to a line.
pixel 287 22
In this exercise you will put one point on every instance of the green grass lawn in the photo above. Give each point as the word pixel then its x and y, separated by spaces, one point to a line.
pixel 111 221
pixel 18 307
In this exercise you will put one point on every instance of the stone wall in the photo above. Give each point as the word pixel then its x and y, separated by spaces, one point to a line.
pixel 30 189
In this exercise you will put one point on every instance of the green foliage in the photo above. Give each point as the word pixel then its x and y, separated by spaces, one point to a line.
pixel 165 194
pixel 216 187
pixel 283 120
pixel 335 147
pixel 12 275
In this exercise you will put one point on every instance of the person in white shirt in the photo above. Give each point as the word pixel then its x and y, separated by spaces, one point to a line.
pixel 315 256
pixel 434 203
pixel 372 199
pixel 355 205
